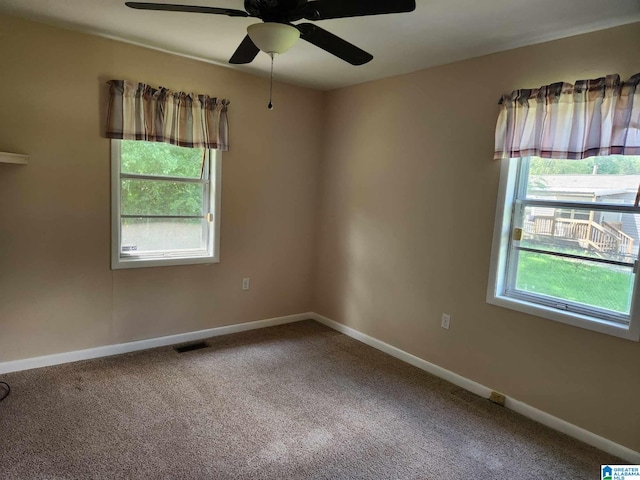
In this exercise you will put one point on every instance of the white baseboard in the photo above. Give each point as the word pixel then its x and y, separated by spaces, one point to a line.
pixel 522 408
pixel 463 382
pixel 108 350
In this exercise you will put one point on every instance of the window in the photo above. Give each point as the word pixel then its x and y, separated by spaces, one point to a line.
pixel 165 204
pixel 566 242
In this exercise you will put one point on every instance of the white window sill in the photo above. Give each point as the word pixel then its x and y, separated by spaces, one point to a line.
pixel 568 318
pixel 137 262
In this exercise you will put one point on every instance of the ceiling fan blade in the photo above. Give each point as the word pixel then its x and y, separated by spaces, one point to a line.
pixel 333 44
pixel 325 9
pixel 168 7
pixel 245 53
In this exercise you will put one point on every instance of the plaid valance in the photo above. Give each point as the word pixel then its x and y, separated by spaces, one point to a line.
pixel 140 112
pixel 564 121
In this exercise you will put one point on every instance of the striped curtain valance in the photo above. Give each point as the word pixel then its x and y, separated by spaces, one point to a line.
pixel 140 112
pixel 565 121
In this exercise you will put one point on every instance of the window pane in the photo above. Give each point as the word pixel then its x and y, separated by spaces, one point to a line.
pixel 607 235
pixel 612 179
pixel 143 235
pixel 580 281
pixel 155 158
pixel 160 197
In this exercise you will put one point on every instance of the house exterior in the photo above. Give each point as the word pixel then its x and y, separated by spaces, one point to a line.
pixel 623 230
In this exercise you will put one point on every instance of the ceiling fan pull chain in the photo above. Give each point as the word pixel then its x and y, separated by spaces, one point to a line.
pixel 270 106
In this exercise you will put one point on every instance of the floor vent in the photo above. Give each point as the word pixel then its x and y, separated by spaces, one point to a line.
pixel 190 347
pixel 497 398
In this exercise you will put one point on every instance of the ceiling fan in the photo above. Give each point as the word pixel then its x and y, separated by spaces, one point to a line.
pixel 277 34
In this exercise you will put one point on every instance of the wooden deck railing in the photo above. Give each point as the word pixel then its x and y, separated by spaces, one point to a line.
pixel 603 238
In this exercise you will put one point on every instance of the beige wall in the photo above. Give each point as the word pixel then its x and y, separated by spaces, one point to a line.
pixel 407 208
pixel 57 292
pixel 407 192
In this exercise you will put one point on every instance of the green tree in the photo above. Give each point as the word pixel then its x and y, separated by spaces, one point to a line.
pixel 611 165
pixel 161 197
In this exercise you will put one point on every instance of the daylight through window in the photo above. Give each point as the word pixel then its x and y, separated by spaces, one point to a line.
pixel 165 204
pixel 566 242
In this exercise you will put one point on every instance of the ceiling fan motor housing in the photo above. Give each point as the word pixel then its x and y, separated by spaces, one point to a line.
pixel 278 11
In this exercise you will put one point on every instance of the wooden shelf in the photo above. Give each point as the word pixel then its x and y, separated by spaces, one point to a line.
pixel 13 158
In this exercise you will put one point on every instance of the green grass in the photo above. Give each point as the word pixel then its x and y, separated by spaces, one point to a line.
pixel 597 285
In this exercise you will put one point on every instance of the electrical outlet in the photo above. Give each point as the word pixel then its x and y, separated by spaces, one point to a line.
pixel 497 398
pixel 245 283
pixel 446 320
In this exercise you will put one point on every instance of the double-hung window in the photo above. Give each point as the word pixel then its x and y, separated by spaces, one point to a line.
pixel 165 204
pixel 566 241
pixel 567 227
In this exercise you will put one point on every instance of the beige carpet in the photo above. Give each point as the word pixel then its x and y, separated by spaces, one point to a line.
pixel 297 401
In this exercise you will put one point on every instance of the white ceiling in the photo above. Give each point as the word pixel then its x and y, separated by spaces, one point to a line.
pixel 437 32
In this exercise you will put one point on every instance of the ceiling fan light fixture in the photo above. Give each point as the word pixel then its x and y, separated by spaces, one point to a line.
pixel 272 37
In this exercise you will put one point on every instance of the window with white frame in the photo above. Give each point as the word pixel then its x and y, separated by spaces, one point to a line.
pixel 566 242
pixel 165 204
